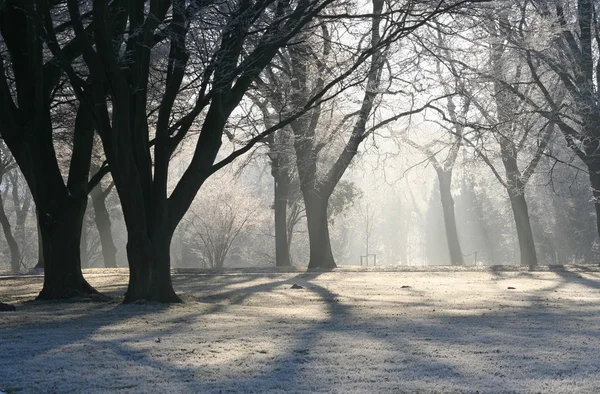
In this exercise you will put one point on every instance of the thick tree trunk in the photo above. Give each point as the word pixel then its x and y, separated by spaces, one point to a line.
pixel 149 229
pixel 15 254
pixel 150 269
pixel 148 245
pixel 445 182
pixel 103 223
pixel 282 251
pixel 62 260
pixel 523 225
pixel 321 255
pixel 139 257
pixel 27 130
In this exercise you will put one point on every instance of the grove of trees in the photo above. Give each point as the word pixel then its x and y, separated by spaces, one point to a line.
pixel 277 132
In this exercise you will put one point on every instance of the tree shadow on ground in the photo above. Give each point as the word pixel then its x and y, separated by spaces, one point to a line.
pixel 331 343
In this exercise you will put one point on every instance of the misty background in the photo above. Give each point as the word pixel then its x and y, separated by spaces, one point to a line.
pixel 393 198
pixel 466 150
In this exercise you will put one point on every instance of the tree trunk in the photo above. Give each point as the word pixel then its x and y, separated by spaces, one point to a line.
pixel 595 182
pixel 40 263
pixel 22 210
pixel 139 257
pixel 27 130
pixel 15 255
pixel 523 225
pixel 85 255
pixel 149 235
pixel 445 181
pixel 321 255
pixel 149 228
pixel 150 269
pixel 282 251
pixel 103 223
pixel 62 260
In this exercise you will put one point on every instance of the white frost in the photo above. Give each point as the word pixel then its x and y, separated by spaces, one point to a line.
pixel 346 331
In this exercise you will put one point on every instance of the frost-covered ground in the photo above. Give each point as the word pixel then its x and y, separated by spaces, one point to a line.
pixel 351 331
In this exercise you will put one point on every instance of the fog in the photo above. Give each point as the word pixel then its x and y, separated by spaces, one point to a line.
pixel 395 203
pixel 414 136
pixel 275 196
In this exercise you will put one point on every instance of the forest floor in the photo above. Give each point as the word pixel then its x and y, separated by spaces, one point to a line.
pixel 375 330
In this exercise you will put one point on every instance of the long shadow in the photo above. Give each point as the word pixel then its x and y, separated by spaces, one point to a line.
pixel 63 340
pixel 89 320
pixel 237 295
pixel 292 367
pixel 510 330
pixel 575 278
pixel 500 340
pixel 491 332
pixel 569 275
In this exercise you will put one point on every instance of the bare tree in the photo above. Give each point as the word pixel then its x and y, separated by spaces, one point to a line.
pixel 29 82
pixel 557 41
pixel 7 164
pixel 304 70
pixel 572 59
pixel 504 114
pixel 221 48
pixel 215 223
pixel 102 220
pixel 455 130
pixel 443 169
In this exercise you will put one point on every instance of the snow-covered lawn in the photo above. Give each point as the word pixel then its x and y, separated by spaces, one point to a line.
pixel 351 331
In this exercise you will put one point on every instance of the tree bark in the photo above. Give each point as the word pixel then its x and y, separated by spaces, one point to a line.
pixel 146 214
pixel 282 251
pixel 61 209
pixel 15 254
pixel 103 223
pixel 594 172
pixel 321 255
pixel 150 270
pixel 445 182
pixel 149 238
pixel 62 261
pixel 523 225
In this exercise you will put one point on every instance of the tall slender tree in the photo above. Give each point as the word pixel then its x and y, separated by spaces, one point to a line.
pixel 7 165
pixel 504 113
pixel 103 222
